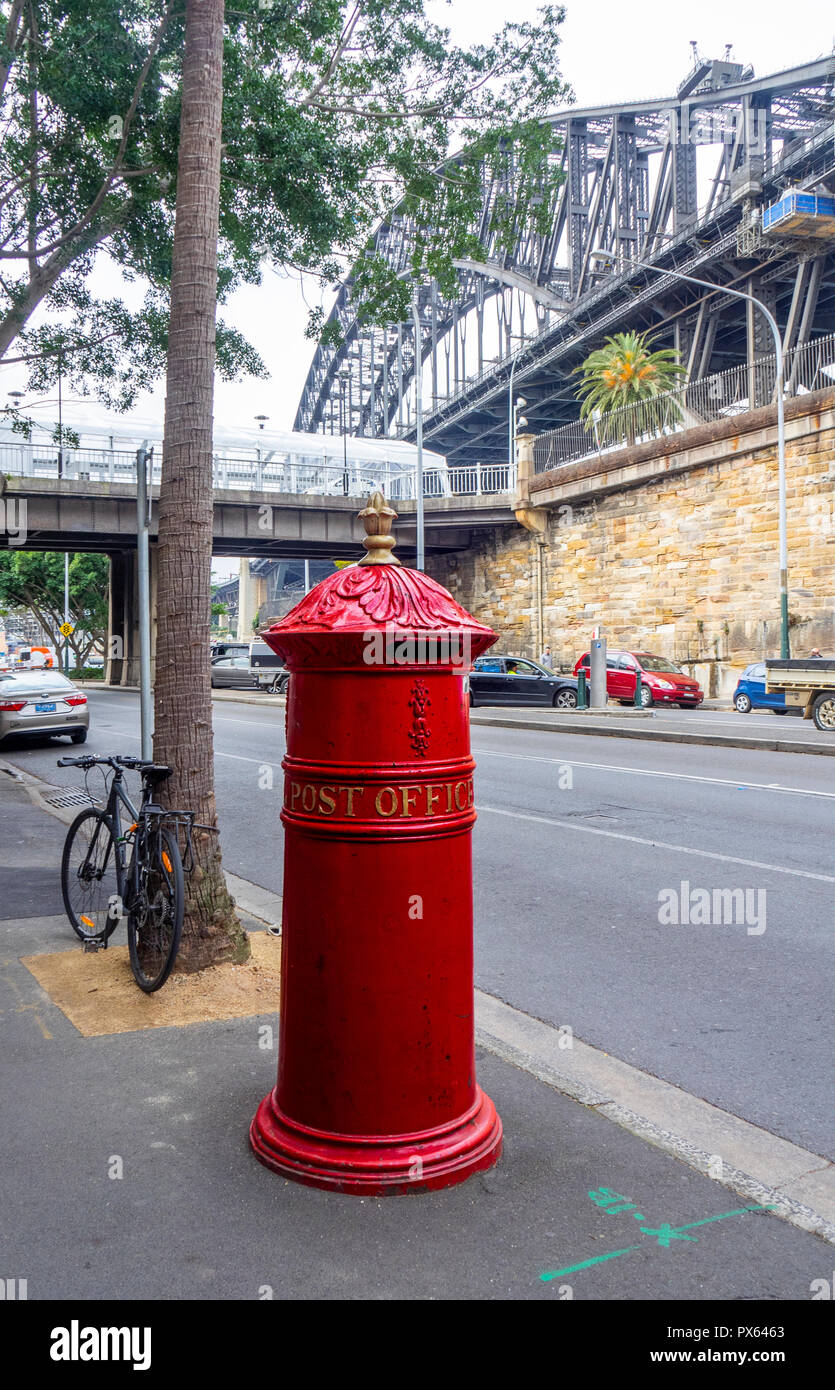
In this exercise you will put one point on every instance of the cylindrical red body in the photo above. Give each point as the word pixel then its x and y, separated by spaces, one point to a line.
pixel 376 1087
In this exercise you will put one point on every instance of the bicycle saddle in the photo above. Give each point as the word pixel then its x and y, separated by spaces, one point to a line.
pixel 156 772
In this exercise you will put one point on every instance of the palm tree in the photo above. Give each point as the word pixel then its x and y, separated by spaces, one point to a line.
pixel 622 386
pixel 183 697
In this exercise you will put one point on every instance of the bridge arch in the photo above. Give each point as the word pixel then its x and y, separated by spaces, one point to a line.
pixel 679 181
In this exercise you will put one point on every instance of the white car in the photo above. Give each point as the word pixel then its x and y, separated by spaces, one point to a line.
pixel 42 702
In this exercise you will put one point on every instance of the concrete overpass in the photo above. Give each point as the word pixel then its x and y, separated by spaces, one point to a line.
pixel 80 514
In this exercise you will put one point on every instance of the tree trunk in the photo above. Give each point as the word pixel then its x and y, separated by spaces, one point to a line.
pixel 183 705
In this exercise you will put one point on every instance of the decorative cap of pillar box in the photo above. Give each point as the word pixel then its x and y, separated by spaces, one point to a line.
pixel 379 542
pixel 334 622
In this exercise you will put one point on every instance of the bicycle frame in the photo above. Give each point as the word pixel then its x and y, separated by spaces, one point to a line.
pixel 128 872
pixel 116 795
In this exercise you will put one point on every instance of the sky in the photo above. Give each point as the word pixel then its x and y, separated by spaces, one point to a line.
pixel 610 52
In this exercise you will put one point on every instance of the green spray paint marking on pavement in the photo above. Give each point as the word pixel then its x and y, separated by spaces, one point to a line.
pixel 586 1264
pixel 665 1234
pixel 706 1220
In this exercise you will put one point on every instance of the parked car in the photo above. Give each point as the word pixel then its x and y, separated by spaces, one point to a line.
pixel 235 673
pixel 230 648
pixel 751 693
pixel 42 702
pixel 265 660
pixel 808 683
pixel 662 681
pixel 513 680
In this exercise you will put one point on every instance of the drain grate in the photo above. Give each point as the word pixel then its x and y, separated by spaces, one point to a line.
pixel 72 796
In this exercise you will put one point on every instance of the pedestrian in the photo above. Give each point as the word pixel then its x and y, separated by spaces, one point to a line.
pixel 815 654
pixel 546 658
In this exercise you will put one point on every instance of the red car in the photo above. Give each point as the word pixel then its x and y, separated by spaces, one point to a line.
pixel 662 682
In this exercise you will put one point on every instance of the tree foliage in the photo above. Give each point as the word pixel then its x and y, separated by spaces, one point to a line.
pixel 34 581
pixel 332 114
pixel 622 383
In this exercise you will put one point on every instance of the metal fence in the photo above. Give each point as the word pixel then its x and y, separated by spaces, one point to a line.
pixel 721 396
pixel 296 473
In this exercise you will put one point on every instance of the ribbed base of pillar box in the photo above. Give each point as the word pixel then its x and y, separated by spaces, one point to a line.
pixel 378 1166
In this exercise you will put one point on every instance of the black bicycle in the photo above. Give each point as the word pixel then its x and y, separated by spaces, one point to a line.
pixel 108 873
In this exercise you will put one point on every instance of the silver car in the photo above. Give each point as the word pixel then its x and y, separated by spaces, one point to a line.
pixel 236 673
pixel 42 702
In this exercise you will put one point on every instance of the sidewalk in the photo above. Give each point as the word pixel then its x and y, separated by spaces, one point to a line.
pixel 195 1216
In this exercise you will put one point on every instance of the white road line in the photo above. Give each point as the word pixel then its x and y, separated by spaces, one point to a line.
pixel 238 757
pixel 650 772
pixel 225 719
pixel 654 844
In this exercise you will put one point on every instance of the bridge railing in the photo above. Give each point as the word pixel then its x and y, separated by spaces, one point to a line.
pixel 723 395
pixel 295 473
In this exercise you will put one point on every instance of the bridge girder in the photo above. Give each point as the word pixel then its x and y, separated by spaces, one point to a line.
pixel 633 185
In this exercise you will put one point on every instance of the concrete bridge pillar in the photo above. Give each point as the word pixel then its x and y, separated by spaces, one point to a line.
pixel 246 601
pixel 123 617
pixel 251 594
pixel 531 517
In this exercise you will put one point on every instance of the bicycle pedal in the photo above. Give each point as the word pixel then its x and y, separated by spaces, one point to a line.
pixel 93 944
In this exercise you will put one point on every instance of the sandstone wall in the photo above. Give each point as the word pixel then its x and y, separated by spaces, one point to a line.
pixel 672 549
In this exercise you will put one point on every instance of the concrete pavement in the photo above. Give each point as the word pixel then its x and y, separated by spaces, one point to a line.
pixel 579 1207
pixel 576 839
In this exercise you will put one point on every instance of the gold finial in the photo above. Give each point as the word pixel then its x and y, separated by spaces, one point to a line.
pixel 377 518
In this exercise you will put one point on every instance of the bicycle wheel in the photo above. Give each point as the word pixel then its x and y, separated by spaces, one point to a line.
pixel 91 876
pixel 155 918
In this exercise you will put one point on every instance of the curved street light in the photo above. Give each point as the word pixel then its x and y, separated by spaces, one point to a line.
pixel 606 261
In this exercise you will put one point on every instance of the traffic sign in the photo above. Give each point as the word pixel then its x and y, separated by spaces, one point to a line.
pixel 67 629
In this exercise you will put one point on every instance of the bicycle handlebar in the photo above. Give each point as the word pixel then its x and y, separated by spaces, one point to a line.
pixel 86 760
pixel 120 760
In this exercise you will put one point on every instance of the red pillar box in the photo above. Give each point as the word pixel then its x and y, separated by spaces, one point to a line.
pixel 376 1084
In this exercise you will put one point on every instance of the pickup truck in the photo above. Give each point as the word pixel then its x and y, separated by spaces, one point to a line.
pixel 808 685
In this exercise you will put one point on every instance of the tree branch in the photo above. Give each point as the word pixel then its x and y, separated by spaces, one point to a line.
pixel 14 32
pixel 32 201
pixel 47 275
pixel 64 348
pixel 344 40
pixel 115 169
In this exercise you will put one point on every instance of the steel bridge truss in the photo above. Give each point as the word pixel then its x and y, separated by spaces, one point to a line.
pixel 678 182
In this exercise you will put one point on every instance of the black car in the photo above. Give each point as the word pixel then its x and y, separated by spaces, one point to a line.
pixel 513 680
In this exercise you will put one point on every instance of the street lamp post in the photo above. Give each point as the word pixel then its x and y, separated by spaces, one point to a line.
pixel 344 375
pixel 518 404
pixel 66 611
pixel 511 425
pixel 419 517
pixel 17 397
pixel 60 418
pixel 421 559
pixel 144 598
pixel 606 260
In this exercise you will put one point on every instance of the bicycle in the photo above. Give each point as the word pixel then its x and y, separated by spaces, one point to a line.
pixel 100 885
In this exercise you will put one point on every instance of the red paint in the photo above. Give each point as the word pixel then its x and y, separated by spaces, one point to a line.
pixel 376 1088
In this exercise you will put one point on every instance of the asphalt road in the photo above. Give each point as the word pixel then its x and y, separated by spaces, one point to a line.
pixel 724 722
pixel 581 844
